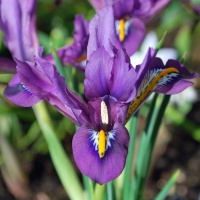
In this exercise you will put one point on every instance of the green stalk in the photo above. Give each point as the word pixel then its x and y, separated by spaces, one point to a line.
pixel 146 147
pixel 127 177
pixel 58 63
pixel 99 191
pixel 62 164
pixel 163 193
pixel 109 190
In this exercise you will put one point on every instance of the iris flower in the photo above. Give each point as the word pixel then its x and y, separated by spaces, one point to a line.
pixel 114 92
pixel 20 37
pixel 75 53
pixel 130 16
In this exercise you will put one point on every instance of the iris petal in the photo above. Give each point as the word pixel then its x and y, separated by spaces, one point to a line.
pixel 17 93
pixel 153 76
pixel 85 150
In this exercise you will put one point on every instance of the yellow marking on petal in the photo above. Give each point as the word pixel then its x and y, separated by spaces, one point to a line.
pixel 81 58
pixel 102 143
pixel 145 92
pixel 121 30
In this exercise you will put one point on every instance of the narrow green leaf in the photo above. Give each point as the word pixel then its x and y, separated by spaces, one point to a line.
pixel 99 191
pixel 163 193
pixel 132 124
pixel 58 63
pixel 60 159
pixel 146 147
pixel 88 184
pixel 160 43
pixel 109 190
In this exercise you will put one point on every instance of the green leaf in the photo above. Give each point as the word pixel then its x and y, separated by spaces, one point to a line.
pixel 183 40
pixel 60 159
pixel 58 63
pixel 163 193
pixel 160 43
pixel 149 136
pixel 132 126
pixel 99 191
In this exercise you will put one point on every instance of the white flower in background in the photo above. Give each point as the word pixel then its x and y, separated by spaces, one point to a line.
pixel 151 40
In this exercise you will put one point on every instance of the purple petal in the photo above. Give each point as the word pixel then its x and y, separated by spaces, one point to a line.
pixel 43 80
pixel 98 74
pixel 156 7
pixel 153 76
pixel 17 93
pixel 7 65
pixel 123 78
pixel 100 170
pixel 122 8
pixel 179 84
pixel 17 21
pixel 102 32
pixel 75 53
pixel 134 37
pixel 97 4
pixel 81 28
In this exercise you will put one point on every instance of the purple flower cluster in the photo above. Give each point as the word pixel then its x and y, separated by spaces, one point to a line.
pixel 113 88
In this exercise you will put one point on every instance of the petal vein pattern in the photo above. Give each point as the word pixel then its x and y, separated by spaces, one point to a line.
pixel 155 79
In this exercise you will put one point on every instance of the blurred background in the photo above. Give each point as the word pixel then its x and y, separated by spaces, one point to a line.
pixel 27 171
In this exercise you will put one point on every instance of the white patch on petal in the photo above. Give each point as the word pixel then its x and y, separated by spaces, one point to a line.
pixel 94 139
pixel 110 137
pixel 104 113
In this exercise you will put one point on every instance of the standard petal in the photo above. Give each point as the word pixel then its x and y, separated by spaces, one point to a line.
pixel 7 66
pixel 102 32
pixel 123 78
pixel 85 151
pixel 122 8
pixel 17 21
pixel 155 7
pixel 98 74
pixel 17 93
pixel 74 54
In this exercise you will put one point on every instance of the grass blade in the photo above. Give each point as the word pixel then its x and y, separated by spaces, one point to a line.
pixel 59 158
pixel 163 193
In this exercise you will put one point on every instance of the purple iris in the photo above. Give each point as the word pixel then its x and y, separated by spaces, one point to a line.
pixel 75 54
pixel 130 16
pixel 114 90
pixel 17 21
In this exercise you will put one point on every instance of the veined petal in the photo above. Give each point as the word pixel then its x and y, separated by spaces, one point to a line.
pixel 169 79
pixel 85 146
pixel 98 74
pixel 17 21
pixel 122 8
pixel 75 53
pixel 155 7
pixel 123 78
pixel 102 32
pixel 134 34
pixel 17 93
pixel 43 80
pixel 109 76
pixel 7 66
